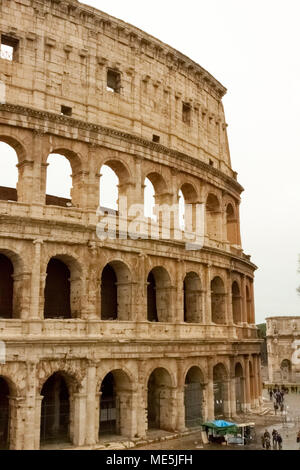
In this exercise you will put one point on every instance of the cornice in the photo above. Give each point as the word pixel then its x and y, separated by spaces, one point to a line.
pixel 130 138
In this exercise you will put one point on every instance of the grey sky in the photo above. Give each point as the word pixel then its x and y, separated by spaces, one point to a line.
pixel 251 47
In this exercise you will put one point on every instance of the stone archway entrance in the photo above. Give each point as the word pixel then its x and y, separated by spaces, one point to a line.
pixel 220 390
pixel 239 388
pixel 193 398
pixel 55 413
pixel 109 409
pixel 4 414
pixel 159 403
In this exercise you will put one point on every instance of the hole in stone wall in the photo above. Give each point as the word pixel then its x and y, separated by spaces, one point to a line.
pixel 156 138
pixel 9 48
pixel 113 81
pixel 66 110
pixel 186 113
pixel 8 173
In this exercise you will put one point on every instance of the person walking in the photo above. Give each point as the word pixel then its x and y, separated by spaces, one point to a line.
pixel 263 441
pixel 274 439
pixel 298 438
pixel 268 443
pixel 275 407
pixel 279 441
pixel 271 394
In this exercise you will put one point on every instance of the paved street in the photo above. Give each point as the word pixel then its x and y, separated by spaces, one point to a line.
pixel 287 425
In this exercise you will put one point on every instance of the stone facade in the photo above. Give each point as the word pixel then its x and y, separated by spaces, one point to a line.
pixel 283 343
pixel 98 91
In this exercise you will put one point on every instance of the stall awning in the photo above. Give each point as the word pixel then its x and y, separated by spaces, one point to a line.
pixel 220 425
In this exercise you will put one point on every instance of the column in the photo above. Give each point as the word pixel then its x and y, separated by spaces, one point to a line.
pixel 179 298
pixel 180 426
pixel 91 400
pixel 210 399
pixel 16 423
pixel 232 387
pixel 207 296
pixel 79 423
pixel 244 300
pixel 247 384
pixel 35 312
pixel 229 313
pixel 252 303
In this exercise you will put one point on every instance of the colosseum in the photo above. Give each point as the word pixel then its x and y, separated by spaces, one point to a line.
pixel 115 338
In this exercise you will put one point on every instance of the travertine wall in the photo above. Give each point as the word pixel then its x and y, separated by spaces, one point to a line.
pixel 283 343
pixel 64 52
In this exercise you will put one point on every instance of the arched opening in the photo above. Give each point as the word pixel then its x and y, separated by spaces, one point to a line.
pixel 231 225
pixel 159 400
pixel 109 189
pixel 249 305
pixel 193 398
pixel 158 296
pixel 236 303
pixel 155 195
pixel 213 217
pixel 192 298
pixel 220 379
pixel 116 292
pixel 149 200
pixel 187 207
pixel 6 287
pixel 239 388
pixel 57 290
pixel 286 371
pixel 4 414
pixel 115 410
pixel 218 301
pixel 59 181
pixel 55 414
pixel 8 173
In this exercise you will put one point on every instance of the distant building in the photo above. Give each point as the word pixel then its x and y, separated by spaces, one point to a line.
pixel 283 342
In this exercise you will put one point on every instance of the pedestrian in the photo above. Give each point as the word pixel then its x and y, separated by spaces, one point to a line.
pixel 282 408
pixel 274 438
pixel 268 443
pixel 279 441
pixel 275 407
pixel 271 394
pixel 263 441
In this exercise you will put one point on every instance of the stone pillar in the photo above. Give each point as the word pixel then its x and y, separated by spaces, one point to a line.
pixel 252 303
pixel 142 401
pixel 247 385
pixel 244 300
pixel 179 300
pixel 38 418
pixel 91 400
pixel 210 399
pixel 232 387
pixel 229 312
pixel 21 296
pixel 35 312
pixel 79 424
pixel 25 181
pixel 140 298
pixel 17 422
pixel 127 407
pixel 180 426
pixel 207 296
pixel 227 402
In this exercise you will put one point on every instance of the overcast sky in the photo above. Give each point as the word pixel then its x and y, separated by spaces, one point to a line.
pixel 252 48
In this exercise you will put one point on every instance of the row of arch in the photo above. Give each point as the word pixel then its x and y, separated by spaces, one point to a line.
pixel 63 294
pixel 114 402
pixel 63 184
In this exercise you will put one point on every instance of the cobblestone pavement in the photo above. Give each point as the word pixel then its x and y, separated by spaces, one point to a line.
pixel 288 425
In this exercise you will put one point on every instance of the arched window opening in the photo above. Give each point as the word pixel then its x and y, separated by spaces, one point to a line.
pixel 158 296
pixel 57 291
pixel 193 398
pixel 220 390
pixel 109 294
pixel 4 414
pixel 218 308
pixel 115 417
pixel 192 298
pixel 181 210
pixel 59 181
pixel 149 200
pixel 8 173
pixel 159 400
pixel 6 287
pixel 239 388
pixel 231 225
pixel 213 217
pixel 109 189
pixel 109 413
pixel 55 414
pixel 236 304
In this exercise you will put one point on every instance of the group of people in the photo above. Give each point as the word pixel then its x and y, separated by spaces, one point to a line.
pixel 277 396
pixel 276 440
